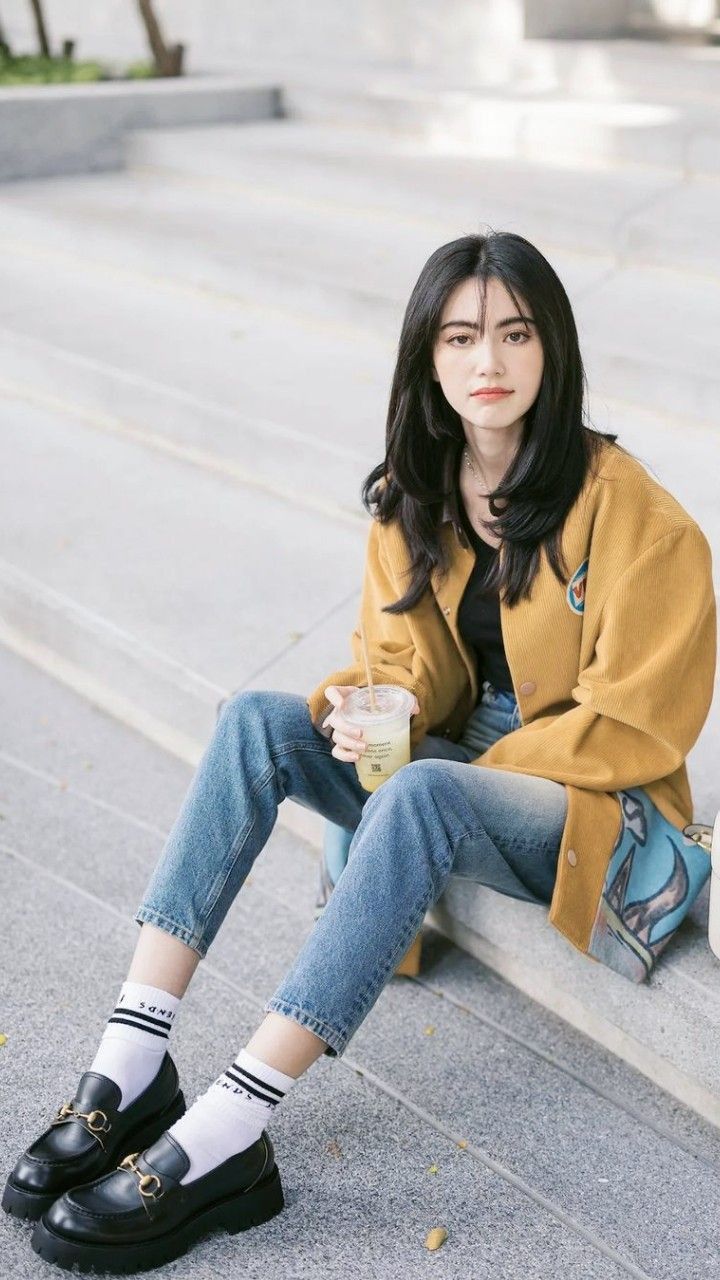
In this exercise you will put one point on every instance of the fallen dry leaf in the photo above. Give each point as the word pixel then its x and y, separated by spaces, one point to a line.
pixel 435 1238
pixel 3 1039
pixel 462 1143
pixel 432 1168
pixel 429 1031
pixel 333 1148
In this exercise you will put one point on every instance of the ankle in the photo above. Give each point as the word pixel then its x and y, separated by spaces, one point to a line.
pixel 136 1038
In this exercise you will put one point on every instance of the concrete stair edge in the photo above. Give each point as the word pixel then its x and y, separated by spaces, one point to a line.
pixel 575 65
pixel 641 236
pixel 542 986
pixel 590 134
pixel 643 381
pixel 70 138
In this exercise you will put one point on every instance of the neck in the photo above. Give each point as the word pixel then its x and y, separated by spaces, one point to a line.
pixel 491 452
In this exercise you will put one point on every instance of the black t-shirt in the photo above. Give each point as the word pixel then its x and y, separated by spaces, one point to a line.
pixel 479 617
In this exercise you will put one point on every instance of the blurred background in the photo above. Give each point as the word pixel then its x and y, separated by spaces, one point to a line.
pixel 211 218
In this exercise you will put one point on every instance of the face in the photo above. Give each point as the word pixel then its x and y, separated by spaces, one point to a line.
pixel 508 354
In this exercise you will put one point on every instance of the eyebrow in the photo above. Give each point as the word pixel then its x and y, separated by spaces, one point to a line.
pixel 470 324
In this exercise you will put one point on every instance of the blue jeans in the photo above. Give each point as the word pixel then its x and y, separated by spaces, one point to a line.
pixel 434 818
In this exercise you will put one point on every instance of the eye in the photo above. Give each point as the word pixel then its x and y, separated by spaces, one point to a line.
pixel 518 333
pixel 464 336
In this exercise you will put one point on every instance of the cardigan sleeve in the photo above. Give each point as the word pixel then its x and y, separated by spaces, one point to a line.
pixel 394 658
pixel 645 695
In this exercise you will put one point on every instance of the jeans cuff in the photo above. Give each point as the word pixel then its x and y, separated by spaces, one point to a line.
pixel 147 915
pixel 336 1042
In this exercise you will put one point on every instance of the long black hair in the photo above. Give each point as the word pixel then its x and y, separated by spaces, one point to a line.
pixel 424 434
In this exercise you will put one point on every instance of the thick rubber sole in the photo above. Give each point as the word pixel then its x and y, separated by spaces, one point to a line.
pixel 30 1205
pixel 233 1214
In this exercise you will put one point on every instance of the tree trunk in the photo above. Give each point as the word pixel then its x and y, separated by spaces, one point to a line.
pixel 168 58
pixel 4 46
pixel 42 35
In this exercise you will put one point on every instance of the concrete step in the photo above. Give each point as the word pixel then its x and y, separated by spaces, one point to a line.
pixel 573 1161
pixel 585 119
pixel 239 180
pixel 635 360
pixel 630 69
pixel 589 134
pixel 621 68
pixel 157 585
pixel 177 355
pixel 626 216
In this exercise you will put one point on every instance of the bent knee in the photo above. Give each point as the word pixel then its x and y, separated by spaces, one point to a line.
pixel 287 712
pixel 418 778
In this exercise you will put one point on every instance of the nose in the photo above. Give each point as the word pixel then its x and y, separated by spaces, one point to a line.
pixel 488 361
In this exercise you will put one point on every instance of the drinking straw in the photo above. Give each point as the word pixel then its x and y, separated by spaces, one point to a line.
pixel 366 657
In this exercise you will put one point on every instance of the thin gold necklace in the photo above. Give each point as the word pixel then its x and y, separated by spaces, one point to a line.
pixel 484 492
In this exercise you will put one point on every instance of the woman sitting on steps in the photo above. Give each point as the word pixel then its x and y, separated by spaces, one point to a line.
pixel 551 608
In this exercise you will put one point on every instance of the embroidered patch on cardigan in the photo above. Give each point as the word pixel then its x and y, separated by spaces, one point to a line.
pixel 575 594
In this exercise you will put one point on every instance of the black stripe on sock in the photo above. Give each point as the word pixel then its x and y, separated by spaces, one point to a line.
pixel 139 1026
pixel 256 1080
pixel 135 1013
pixel 272 1102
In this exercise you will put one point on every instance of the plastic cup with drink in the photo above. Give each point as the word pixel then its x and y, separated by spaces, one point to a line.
pixel 385 728
pixel 381 713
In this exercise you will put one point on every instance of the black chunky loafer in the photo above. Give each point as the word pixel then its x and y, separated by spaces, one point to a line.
pixel 141 1215
pixel 88 1136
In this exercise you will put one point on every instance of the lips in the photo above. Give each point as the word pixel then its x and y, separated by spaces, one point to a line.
pixel 490 395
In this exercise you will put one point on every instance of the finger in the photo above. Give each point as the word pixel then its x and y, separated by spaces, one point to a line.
pixel 349 743
pixel 348 757
pixel 349 730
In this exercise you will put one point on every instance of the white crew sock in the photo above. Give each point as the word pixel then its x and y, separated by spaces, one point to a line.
pixel 231 1115
pixel 136 1038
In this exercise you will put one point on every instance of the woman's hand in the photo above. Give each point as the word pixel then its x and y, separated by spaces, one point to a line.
pixel 348 738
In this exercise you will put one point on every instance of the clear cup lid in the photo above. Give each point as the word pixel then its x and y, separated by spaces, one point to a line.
pixel 391 700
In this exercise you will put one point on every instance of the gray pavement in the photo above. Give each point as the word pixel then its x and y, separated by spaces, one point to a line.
pixel 573 1161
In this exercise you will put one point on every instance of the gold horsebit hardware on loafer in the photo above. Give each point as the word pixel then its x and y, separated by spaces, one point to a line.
pixel 97 1121
pixel 146 1180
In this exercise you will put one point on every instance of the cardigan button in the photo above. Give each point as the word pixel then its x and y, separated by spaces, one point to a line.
pixel 572 857
pixel 529 686
pixel 446 610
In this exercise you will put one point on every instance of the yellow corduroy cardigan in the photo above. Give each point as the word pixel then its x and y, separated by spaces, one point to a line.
pixel 613 671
